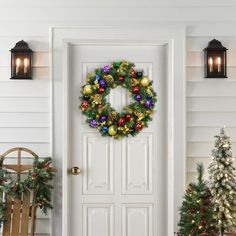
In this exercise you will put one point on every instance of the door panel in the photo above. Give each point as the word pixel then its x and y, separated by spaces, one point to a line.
pixel 122 186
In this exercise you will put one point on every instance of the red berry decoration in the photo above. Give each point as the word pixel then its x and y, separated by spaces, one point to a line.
pixel 121 121
pixel 101 90
pixel 133 73
pixel 47 164
pixel 128 117
pixel 136 89
pixel 138 126
pixel 121 78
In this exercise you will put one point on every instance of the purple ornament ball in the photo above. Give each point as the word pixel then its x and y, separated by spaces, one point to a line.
pixel 106 69
pixel 93 123
pixel 102 83
pixel 138 97
pixel 148 104
pixel 103 118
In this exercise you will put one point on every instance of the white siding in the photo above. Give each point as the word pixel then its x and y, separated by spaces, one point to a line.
pixel 211 103
pixel 25 111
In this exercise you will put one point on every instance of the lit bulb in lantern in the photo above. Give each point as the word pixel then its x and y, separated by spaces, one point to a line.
pixel 18 63
pixel 218 64
pixel 26 64
pixel 210 64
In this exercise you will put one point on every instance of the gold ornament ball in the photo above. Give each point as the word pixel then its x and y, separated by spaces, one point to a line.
pixel 87 89
pixel 145 81
pixel 112 130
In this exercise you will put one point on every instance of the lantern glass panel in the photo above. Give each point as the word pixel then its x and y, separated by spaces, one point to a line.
pixel 21 64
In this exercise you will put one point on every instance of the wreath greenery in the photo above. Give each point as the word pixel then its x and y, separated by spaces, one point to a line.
pixel 38 179
pixel 106 119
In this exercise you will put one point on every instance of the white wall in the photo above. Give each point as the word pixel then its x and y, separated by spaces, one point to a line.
pixel 211 103
pixel 25 118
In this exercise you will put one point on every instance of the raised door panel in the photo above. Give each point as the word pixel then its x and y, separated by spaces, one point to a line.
pixel 137 220
pixel 97 164
pixel 98 220
pixel 137 177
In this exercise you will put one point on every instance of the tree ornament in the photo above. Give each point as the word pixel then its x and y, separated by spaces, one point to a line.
pixel 84 104
pixel 136 89
pixel 121 79
pixel 132 73
pixel 93 123
pixel 105 118
pixel 112 130
pixel 128 117
pixel 101 90
pixel 87 89
pixel 138 126
pixel 106 68
pixel 121 121
pixel 148 103
pixel 109 79
pixel 102 83
pixel 97 99
pixel 139 74
pixel 145 81
pixel 86 97
pixel 104 129
pixel 138 97
pixel 97 77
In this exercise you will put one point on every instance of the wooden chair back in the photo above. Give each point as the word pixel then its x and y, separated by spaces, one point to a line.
pixel 20 213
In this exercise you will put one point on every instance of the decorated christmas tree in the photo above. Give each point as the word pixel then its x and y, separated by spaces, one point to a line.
pixel 196 212
pixel 222 183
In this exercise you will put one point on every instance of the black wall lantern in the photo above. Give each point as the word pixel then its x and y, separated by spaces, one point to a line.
pixel 215 60
pixel 21 61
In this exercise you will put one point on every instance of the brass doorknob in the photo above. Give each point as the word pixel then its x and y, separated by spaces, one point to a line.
pixel 75 170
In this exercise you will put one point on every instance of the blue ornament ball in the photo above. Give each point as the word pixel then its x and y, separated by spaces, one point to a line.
pixel 104 129
pixel 138 97
pixel 97 77
pixel 149 98
pixel 102 83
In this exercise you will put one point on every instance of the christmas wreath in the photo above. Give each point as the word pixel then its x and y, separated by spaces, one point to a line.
pixel 102 116
pixel 38 180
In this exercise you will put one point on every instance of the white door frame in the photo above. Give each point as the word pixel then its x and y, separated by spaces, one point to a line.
pixel 174 39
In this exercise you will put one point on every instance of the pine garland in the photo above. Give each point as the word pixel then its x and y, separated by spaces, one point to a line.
pixel 99 112
pixel 38 180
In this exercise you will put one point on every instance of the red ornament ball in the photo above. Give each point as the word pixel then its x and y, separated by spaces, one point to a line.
pixel 84 104
pixel 128 117
pixel 138 126
pixel 136 89
pixel 132 73
pixel 121 78
pixel 121 121
pixel 101 90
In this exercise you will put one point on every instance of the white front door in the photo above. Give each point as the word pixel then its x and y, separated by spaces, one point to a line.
pixel 121 190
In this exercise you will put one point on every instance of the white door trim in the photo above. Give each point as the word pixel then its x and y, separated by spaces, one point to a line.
pixel 174 38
